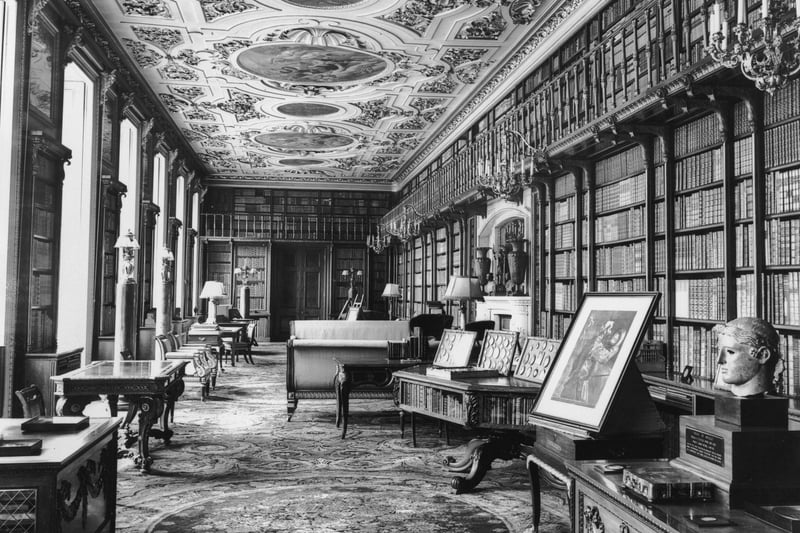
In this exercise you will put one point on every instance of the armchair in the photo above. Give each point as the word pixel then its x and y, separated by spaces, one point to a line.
pixel 432 326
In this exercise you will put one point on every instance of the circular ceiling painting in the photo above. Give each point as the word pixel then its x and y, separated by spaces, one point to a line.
pixel 302 109
pixel 323 4
pixel 300 162
pixel 292 140
pixel 309 64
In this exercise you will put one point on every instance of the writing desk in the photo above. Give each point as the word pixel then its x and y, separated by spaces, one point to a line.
pixel 352 372
pixel 150 387
pixel 498 404
pixel 70 486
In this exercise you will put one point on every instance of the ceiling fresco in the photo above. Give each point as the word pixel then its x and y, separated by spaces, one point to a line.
pixel 340 91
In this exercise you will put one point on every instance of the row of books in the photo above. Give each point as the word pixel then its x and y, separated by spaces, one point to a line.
pixel 700 208
pixel 699 170
pixel 743 157
pixel 700 251
pixel 564 185
pixel 564 296
pixel 745 245
pixel 621 193
pixel 743 199
pixel 783 104
pixel 660 217
pixel 695 346
pixel 622 285
pixel 564 264
pixel 564 210
pixel 504 410
pixel 563 235
pixel 623 225
pixel 783 191
pixel 789 348
pixel 745 295
pixel 617 260
pixel 698 134
pixel 660 255
pixel 619 165
pixel 783 242
pixel 433 400
pixel 781 146
pixel 660 285
pixel 702 298
pixel 783 298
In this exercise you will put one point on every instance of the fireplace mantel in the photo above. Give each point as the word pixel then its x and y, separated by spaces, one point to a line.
pixel 508 312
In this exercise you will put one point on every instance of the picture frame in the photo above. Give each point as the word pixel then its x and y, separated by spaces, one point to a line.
pixel 498 350
pixel 535 359
pixel 598 347
pixel 454 349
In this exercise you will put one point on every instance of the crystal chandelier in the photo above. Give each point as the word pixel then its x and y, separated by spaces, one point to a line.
pixel 767 51
pixel 507 176
pixel 378 242
pixel 406 226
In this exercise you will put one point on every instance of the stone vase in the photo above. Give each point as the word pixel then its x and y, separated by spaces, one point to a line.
pixel 517 265
pixel 481 265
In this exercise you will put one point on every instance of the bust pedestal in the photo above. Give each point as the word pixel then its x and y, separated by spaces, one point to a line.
pixel 748 449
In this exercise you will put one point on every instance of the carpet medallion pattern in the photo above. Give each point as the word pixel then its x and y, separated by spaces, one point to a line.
pixel 236 464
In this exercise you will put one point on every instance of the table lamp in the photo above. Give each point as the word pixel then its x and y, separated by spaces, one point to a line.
pixel 213 290
pixel 463 289
pixel 391 292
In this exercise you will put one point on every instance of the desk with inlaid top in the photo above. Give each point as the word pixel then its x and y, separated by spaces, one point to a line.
pixel 71 485
pixel 499 405
pixel 150 387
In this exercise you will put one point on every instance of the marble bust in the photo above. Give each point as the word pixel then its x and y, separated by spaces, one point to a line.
pixel 748 354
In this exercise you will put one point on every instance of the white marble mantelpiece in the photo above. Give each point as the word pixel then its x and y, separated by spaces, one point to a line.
pixel 516 309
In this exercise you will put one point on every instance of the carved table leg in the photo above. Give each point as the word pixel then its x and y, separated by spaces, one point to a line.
pixel 402 424
pixel 345 406
pixel 536 493
pixel 150 409
pixel 113 404
pixel 291 405
pixel 465 464
pixel 505 447
pixel 413 430
pixel 173 394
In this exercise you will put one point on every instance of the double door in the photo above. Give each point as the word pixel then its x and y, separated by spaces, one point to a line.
pixel 298 286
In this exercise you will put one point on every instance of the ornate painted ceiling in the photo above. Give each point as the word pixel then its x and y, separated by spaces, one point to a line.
pixel 350 92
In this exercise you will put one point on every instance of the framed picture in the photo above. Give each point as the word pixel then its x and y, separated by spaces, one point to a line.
pixel 602 338
pixel 534 362
pixel 498 351
pixel 454 349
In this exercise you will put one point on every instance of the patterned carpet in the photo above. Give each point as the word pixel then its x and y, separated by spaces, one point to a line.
pixel 235 464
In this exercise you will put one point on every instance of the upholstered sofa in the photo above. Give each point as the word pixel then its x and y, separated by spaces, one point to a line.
pixel 313 345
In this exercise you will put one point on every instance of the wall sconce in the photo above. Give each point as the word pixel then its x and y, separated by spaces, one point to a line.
pixel 129 245
pixel 213 291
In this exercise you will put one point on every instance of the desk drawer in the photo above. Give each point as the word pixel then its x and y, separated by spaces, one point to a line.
pixel 594 513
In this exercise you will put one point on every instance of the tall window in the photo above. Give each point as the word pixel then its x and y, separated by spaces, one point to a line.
pixel 196 253
pixel 77 260
pixel 129 175
pixel 159 199
pixel 8 16
pixel 180 253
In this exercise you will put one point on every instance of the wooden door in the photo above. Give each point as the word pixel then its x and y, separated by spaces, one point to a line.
pixel 297 291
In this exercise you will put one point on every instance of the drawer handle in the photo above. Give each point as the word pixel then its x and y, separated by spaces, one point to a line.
pixel 594 522
pixel 624 528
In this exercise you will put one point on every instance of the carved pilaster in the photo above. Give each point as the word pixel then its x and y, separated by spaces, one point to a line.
pixel 174 224
pixel 149 213
pixel 113 191
pixel 473 412
pixel 147 127
pixel 108 79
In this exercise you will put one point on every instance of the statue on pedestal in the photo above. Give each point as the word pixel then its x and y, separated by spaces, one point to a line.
pixel 748 356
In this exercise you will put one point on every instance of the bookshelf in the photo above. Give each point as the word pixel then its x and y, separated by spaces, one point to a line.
pixel 564 255
pixel 253 255
pixel 781 238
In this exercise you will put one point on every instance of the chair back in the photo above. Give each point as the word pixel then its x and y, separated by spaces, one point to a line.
pixel 233 314
pixel 32 401
pixel 251 331
pixel 480 327
pixel 431 324
pixel 162 347
pixel 174 341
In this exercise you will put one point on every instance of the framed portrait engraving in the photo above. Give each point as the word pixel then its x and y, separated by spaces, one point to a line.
pixel 599 345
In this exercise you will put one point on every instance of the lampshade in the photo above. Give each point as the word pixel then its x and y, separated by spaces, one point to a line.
pixel 463 288
pixel 392 290
pixel 213 289
pixel 127 241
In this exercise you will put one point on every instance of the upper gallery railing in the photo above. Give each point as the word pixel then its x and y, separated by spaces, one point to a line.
pixel 622 55
pixel 277 226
